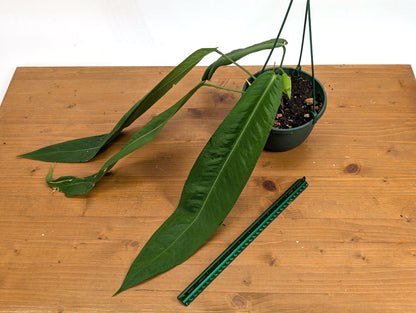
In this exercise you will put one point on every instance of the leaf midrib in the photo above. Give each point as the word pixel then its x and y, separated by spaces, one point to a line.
pixel 216 180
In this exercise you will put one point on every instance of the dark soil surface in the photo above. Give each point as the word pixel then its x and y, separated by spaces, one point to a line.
pixel 296 111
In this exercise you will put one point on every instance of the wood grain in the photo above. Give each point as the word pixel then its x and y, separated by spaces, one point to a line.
pixel 347 244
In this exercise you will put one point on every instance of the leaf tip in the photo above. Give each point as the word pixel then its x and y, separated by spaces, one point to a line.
pixel 27 155
pixel 122 288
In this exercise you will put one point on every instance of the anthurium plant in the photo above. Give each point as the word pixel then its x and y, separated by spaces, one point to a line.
pixel 218 175
pixel 216 179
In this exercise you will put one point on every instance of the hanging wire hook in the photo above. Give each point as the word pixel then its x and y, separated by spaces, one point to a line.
pixel 298 67
pixel 315 115
pixel 278 36
pixel 307 20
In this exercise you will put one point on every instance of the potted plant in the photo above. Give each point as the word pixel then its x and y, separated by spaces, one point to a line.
pixel 220 172
pixel 298 114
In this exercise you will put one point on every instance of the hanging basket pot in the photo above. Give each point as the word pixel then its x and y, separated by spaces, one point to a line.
pixel 288 138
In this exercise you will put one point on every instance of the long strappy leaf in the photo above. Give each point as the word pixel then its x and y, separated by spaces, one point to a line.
pixel 73 185
pixel 214 183
pixel 237 54
pixel 84 149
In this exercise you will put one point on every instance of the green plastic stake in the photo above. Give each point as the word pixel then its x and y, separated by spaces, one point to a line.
pixel 220 263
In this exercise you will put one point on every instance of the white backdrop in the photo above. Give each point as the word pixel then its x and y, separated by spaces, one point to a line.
pixel 164 32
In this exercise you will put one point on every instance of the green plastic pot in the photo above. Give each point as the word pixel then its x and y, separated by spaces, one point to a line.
pixel 286 139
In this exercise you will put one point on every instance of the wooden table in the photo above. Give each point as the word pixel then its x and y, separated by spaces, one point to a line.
pixel 347 244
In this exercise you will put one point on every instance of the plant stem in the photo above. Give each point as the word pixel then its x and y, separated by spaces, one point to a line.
pixel 223 88
pixel 283 56
pixel 234 62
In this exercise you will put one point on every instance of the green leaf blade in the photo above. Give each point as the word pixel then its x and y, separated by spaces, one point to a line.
pixel 214 183
pixel 72 151
pixel 84 149
pixel 237 54
pixel 73 186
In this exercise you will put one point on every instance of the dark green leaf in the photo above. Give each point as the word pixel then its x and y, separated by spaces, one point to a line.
pixel 73 185
pixel 236 55
pixel 84 149
pixel 214 183
pixel 72 151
